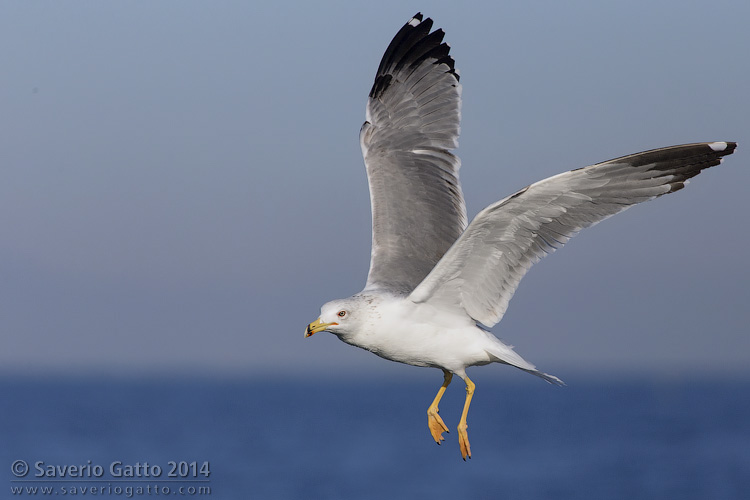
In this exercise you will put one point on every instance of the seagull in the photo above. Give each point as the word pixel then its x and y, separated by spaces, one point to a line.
pixel 437 284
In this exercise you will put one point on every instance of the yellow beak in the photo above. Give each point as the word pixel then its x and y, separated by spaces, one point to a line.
pixel 317 326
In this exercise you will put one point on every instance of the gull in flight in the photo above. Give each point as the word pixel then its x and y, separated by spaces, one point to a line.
pixel 436 283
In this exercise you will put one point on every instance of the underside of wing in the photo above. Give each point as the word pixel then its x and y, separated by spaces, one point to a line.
pixel 480 273
pixel 413 117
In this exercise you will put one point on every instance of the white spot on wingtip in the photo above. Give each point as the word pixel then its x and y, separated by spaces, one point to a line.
pixel 718 146
pixel 414 21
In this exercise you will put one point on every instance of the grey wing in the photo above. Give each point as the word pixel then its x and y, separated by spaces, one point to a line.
pixel 413 117
pixel 480 273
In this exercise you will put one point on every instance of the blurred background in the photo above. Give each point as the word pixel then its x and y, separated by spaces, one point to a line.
pixel 181 188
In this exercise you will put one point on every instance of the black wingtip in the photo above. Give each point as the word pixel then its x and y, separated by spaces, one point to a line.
pixel 682 163
pixel 412 45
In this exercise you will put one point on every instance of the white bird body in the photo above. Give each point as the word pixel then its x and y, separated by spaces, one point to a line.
pixel 434 280
pixel 400 330
pixel 418 334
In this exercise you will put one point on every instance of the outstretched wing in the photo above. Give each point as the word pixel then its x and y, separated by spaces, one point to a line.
pixel 480 273
pixel 413 117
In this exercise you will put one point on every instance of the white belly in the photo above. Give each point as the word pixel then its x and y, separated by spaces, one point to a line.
pixel 411 334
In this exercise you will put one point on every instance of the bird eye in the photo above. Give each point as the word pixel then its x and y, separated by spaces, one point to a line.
pixel 342 314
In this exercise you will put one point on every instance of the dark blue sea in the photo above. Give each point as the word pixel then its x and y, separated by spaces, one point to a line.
pixel 326 438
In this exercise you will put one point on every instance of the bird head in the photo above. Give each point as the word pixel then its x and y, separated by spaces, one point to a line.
pixel 334 317
pixel 346 318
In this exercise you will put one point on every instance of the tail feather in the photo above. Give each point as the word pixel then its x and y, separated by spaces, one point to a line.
pixel 546 376
pixel 501 353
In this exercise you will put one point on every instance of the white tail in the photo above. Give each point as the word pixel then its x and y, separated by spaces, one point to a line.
pixel 501 353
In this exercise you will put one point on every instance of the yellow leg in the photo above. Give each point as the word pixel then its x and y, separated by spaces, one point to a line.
pixel 463 437
pixel 434 422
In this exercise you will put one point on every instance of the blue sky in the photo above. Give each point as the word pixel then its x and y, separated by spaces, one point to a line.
pixel 182 187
